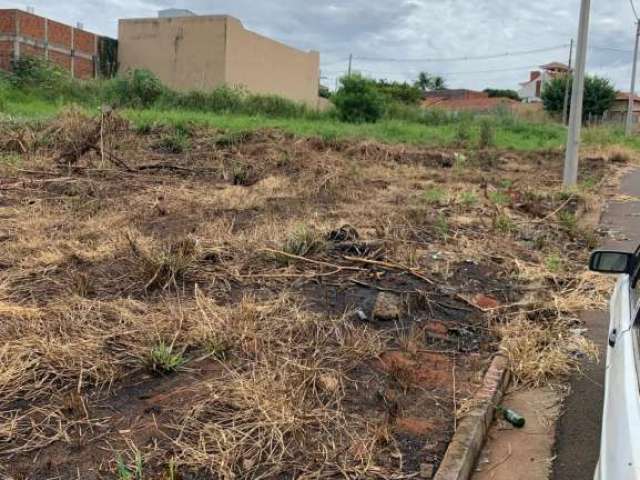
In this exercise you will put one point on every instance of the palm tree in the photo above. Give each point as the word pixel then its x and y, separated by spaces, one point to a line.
pixel 424 81
pixel 427 82
pixel 438 83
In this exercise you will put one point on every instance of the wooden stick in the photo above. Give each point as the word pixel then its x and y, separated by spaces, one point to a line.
pixel 391 266
pixel 309 260
pixel 308 276
pixel 102 137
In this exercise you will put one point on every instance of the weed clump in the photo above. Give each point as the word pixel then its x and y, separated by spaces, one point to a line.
pixel 176 142
pixel 504 224
pixel 553 263
pixel 138 88
pixel 233 139
pixel 487 134
pixel 434 195
pixel 163 360
pixel 442 226
pixel 463 131
pixel 499 198
pixel 162 268
pixel 468 199
pixel 568 220
pixel 304 241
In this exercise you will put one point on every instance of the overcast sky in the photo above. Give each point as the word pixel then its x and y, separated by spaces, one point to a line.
pixel 404 29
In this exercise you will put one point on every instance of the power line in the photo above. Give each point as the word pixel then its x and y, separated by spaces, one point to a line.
pixel 611 49
pixel 459 59
pixel 443 74
pixel 512 69
pixel 633 7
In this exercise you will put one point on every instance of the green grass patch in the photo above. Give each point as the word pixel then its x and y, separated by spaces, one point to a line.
pixel 504 224
pixel 176 142
pixel 553 263
pixel 435 195
pixel 163 360
pixel 467 199
pixel 442 226
pixel 11 159
pixel 499 198
pixel 304 241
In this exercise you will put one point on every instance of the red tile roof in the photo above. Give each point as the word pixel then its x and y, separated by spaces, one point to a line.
pixel 555 66
pixel 625 96
pixel 474 104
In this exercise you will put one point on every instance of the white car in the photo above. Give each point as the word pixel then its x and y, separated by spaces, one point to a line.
pixel 620 439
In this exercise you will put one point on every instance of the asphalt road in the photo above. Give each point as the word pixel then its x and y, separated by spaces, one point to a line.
pixel 578 430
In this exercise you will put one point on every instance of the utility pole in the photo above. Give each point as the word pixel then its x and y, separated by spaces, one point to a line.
pixel 350 62
pixel 567 87
pixel 632 92
pixel 577 97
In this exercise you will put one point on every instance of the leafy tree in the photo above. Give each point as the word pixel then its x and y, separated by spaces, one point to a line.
pixel 599 95
pixel 497 93
pixel 427 82
pixel 358 100
pixel 399 92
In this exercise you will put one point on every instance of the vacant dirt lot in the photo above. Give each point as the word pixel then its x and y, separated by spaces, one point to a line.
pixel 187 303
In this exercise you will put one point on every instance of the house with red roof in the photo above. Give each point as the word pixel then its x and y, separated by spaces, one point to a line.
pixel 465 100
pixel 618 111
pixel 531 90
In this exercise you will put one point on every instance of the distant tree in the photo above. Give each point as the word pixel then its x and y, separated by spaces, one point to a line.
pixel 358 100
pixel 497 93
pixel 401 92
pixel 599 95
pixel 324 92
pixel 427 82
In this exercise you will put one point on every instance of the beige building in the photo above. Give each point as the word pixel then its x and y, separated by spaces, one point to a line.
pixel 204 52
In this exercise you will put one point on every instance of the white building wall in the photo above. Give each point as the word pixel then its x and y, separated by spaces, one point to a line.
pixel 528 91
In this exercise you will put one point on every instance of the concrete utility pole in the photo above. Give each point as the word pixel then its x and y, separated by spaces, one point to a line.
pixel 565 107
pixel 350 63
pixel 632 91
pixel 577 96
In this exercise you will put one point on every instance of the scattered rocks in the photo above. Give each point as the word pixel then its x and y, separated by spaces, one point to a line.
pixel 485 302
pixel 387 307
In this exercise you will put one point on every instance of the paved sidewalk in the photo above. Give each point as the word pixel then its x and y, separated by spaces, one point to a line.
pixel 578 430
pixel 528 454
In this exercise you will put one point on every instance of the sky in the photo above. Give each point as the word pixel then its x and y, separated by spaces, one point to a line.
pixel 396 39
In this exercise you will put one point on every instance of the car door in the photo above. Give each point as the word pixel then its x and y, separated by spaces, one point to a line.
pixel 620 440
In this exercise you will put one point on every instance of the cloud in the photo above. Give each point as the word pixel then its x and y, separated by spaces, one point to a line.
pixel 404 29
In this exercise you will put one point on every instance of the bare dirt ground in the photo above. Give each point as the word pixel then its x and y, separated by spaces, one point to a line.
pixel 189 303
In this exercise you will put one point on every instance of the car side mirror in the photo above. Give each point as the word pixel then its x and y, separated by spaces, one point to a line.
pixel 609 261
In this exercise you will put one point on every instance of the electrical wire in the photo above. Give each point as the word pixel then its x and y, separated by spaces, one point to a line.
pixel 633 7
pixel 459 59
pixel 610 49
pixel 446 74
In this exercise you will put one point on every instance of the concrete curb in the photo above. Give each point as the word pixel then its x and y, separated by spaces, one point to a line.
pixel 463 451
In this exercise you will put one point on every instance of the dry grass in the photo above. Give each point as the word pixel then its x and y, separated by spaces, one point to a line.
pixel 277 416
pixel 539 351
pixel 149 298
